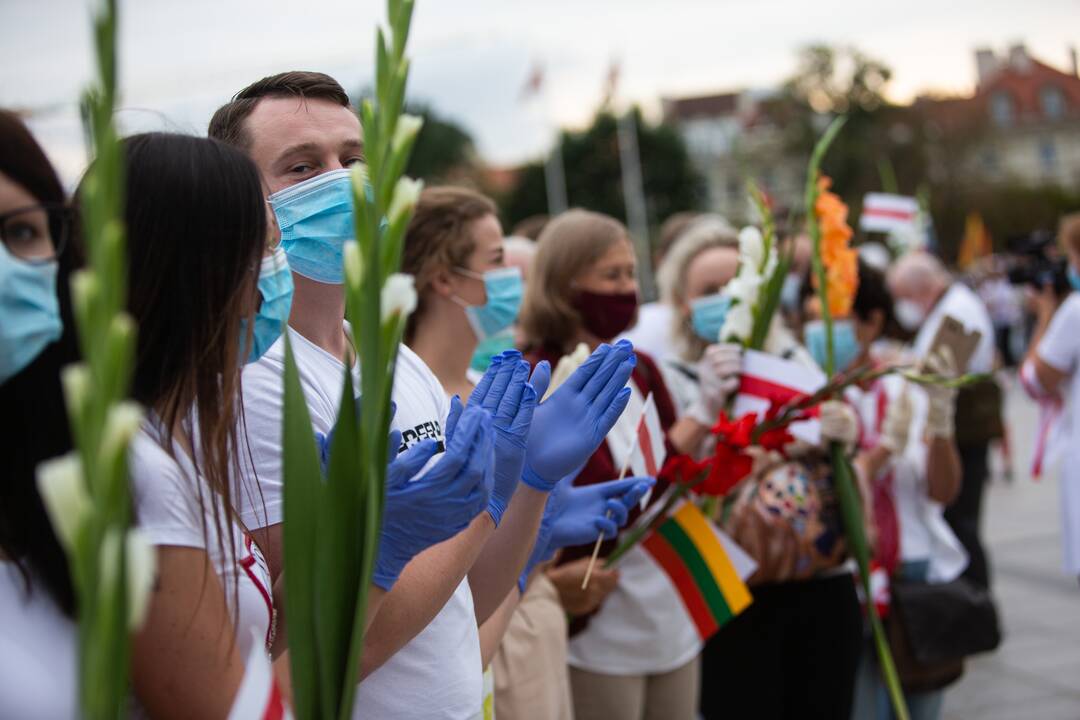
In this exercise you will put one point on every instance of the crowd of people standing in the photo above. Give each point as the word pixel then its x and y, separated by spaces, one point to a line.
pixel 500 482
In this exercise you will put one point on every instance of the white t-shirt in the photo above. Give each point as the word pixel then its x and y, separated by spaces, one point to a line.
pixel 437 674
pixel 924 534
pixel 167 507
pixel 38 653
pixel 641 627
pixel 652 333
pixel 1060 348
pixel 963 304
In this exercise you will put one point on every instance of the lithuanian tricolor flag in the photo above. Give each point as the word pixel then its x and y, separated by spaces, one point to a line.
pixel 688 548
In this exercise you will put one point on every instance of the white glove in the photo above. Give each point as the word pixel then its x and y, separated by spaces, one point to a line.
pixel 897 424
pixel 838 423
pixel 941 400
pixel 718 377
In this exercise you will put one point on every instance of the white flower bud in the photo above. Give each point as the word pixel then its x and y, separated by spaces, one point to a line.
pixel 121 424
pixel 407 128
pixel 354 263
pixel 406 193
pixel 63 492
pixel 398 296
pixel 109 562
pixel 75 379
pixel 359 176
pixel 141 570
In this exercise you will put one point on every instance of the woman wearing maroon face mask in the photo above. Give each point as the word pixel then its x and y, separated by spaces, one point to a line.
pixel 632 654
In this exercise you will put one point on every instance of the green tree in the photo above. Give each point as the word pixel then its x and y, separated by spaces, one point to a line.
pixel 443 148
pixel 594 174
pixel 877 135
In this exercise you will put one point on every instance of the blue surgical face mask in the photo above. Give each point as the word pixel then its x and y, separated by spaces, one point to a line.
pixel 276 289
pixel 490 347
pixel 845 344
pixel 707 315
pixel 789 292
pixel 504 290
pixel 316 218
pixel 1074 278
pixel 29 311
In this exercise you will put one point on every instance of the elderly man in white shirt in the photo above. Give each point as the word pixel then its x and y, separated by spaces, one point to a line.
pixel 925 293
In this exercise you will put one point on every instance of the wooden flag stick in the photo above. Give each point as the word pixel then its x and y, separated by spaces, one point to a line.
pixel 596 548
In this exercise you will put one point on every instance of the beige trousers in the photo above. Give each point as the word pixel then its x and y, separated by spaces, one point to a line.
pixel 530 667
pixel 665 696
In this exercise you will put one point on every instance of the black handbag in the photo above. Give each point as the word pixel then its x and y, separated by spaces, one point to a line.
pixel 933 627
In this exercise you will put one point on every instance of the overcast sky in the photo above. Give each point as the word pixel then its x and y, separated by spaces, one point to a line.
pixel 182 58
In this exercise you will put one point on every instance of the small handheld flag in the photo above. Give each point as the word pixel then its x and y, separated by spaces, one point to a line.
pixel 706 568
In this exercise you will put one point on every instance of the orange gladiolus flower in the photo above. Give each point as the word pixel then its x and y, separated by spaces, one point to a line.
pixel 841 262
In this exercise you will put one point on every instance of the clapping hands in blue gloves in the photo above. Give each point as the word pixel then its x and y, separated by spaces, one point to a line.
pixel 569 426
pixel 579 515
pixel 505 392
pixel 441 503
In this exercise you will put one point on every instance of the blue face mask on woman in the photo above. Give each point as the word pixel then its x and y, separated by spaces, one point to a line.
pixel 316 218
pixel 707 315
pixel 29 311
pixel 1074 278
pixel 845 343
pixel 504 290
pixel 276 289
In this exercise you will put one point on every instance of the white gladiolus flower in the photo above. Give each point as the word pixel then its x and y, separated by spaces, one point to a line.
pixel 407 127
pixel 63 492
pixel 121 424
pixel 738 324
pixel 398 296
pixel 744 288
pixel 406 193
pixel 141 569
pixel 354 263
pixel 751 248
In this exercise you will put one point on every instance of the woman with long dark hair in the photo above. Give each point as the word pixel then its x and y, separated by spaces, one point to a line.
pixel 197 230
pixel 37 601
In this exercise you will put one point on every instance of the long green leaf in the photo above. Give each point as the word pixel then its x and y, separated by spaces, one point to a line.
pixel 302 493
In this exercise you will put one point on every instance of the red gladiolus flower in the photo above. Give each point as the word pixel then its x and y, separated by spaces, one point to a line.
pixel 728 467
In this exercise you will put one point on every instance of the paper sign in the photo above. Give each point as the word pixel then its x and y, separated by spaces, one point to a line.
pixel 951 334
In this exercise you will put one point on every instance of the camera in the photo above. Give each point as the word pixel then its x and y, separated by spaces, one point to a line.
pixel 1035 260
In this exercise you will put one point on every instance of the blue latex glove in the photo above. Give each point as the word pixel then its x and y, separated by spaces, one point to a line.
pixel 505 392
pixel 579 515
pixel 435 507
pixel 569 426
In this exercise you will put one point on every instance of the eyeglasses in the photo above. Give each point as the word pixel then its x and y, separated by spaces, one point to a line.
pixel 36 233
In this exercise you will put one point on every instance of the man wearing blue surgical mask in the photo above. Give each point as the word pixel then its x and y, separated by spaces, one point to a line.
pixel 304 136
pixel 422 651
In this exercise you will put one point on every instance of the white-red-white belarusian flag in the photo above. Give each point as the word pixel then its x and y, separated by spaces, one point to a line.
pixel 768 379
pixel 650 452
pixel 884 212
pixel 259 697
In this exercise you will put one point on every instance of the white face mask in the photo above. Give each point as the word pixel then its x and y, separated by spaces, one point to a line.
pixel 909 314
